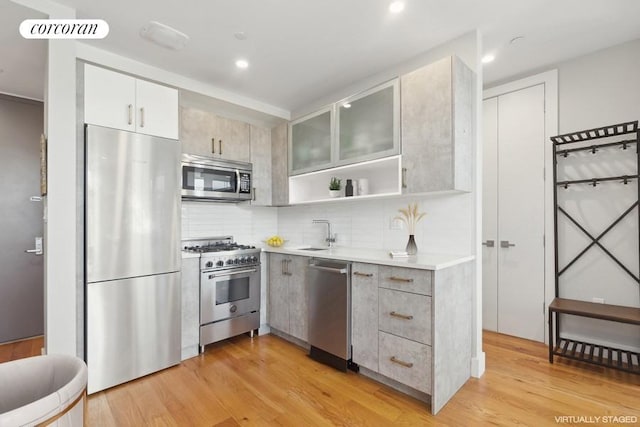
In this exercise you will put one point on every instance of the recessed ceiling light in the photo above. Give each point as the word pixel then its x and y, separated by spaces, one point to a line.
pixel 346 105
pixel 164 35
pixel 488 58
pixel 242 63
pixel 396 7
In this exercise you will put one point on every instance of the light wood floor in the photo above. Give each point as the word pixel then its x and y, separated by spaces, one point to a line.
pixel 267 381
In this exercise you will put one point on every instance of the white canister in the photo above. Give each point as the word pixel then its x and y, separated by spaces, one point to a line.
pixel 363 186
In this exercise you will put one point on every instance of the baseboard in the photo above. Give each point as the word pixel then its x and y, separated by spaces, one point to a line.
pixel 478 365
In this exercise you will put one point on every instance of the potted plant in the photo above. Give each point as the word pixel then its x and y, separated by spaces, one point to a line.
pixel 334 187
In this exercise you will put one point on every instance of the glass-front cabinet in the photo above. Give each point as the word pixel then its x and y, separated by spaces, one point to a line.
pixel 359 128
pixel 310 143
pixel 367 124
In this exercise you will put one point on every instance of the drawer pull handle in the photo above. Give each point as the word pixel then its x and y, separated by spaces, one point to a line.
pixel 401 362
pixel 400 279
pixel 357 273
pixel 401 316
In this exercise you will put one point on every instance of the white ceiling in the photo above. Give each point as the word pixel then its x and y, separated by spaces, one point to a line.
pixel 302 50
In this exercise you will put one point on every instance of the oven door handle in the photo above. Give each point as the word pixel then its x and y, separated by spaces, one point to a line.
pixel 233 273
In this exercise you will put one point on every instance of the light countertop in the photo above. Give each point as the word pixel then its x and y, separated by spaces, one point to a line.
pixel 423 261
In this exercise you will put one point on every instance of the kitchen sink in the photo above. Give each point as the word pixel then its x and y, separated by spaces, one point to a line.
pixel 313 249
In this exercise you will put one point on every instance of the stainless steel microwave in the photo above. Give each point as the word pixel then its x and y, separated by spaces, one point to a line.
pixel 206 178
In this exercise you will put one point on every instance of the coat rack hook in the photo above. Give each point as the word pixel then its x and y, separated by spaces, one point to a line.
pixel 624 145
pixel 595 182
pixel 625 181
pixel 566 185
pixel 565 154
pixel 594 150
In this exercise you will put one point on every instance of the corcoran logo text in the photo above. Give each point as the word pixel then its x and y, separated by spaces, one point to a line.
pixel 64 29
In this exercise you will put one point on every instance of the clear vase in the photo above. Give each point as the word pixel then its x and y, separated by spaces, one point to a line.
pixel 411 248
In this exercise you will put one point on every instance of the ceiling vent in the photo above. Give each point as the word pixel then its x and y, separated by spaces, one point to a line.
pixel 164 35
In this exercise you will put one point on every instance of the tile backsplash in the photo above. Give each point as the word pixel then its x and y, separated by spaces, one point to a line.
pixel 447 227
pixel 246 223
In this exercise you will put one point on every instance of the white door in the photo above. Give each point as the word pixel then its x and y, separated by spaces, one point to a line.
pixel 490 215
pixel 516 285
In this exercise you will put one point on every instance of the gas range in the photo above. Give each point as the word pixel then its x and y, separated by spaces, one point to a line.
pixel 229 287
pixel 222 253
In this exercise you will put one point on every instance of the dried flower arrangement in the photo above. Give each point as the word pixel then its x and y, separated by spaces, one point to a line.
pixel 411 217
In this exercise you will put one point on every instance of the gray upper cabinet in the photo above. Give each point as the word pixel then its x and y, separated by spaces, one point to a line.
pixel 367 124
pixel 437 127
pixel 279 165
pixel 207 134
pixel 310 142
pixel 262 167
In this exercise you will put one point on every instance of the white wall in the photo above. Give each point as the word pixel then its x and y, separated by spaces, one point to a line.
pixel 60 215
pixel 596 90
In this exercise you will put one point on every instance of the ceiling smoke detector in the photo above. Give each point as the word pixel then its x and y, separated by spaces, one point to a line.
pixel 164 35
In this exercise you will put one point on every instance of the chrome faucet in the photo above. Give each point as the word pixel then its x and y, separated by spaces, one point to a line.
pixel 331 239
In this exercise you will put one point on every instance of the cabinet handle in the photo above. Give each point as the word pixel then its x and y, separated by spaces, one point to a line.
pixel 253 193
pixel 213 145
pixel 357 273
pixel 404 177
pixel 401 362
pixel 220 146
pixel 130 110
pixel 288 272
pixel 400 279
pixel 401 316
pixel 282 267
pixel 142 117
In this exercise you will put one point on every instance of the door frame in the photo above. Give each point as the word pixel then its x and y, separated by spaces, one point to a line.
pixel 550 81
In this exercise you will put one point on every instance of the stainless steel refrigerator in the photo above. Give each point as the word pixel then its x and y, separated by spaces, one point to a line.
pixel 132 251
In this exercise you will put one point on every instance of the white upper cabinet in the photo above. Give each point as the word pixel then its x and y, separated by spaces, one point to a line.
pixel 311 142
pixel 156 109
pixel 123 102
pixel 367 124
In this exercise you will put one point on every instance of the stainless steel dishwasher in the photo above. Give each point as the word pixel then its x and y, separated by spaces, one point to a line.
pixel 329 284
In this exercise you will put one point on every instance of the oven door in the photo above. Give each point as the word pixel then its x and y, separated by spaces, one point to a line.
pixel 229 293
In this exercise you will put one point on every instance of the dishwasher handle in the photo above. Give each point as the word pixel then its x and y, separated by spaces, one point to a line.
pixel 329 269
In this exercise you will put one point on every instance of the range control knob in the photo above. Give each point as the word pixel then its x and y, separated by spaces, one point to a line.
pixel 219 263
pixel 209 264
pixel 254 259
pixel 236 261
pixel 243 260
pixel 229 261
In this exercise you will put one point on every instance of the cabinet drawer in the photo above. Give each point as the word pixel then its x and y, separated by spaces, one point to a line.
pixel 405 361
pixel 406 279
pixel 406 315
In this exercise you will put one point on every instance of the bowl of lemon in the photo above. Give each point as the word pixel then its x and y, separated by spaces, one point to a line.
pixel 275 241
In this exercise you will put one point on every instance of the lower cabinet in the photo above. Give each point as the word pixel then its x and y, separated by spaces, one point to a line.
pixel 190 307
pixel 413 327
pixel 288 295
pixel 364 315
